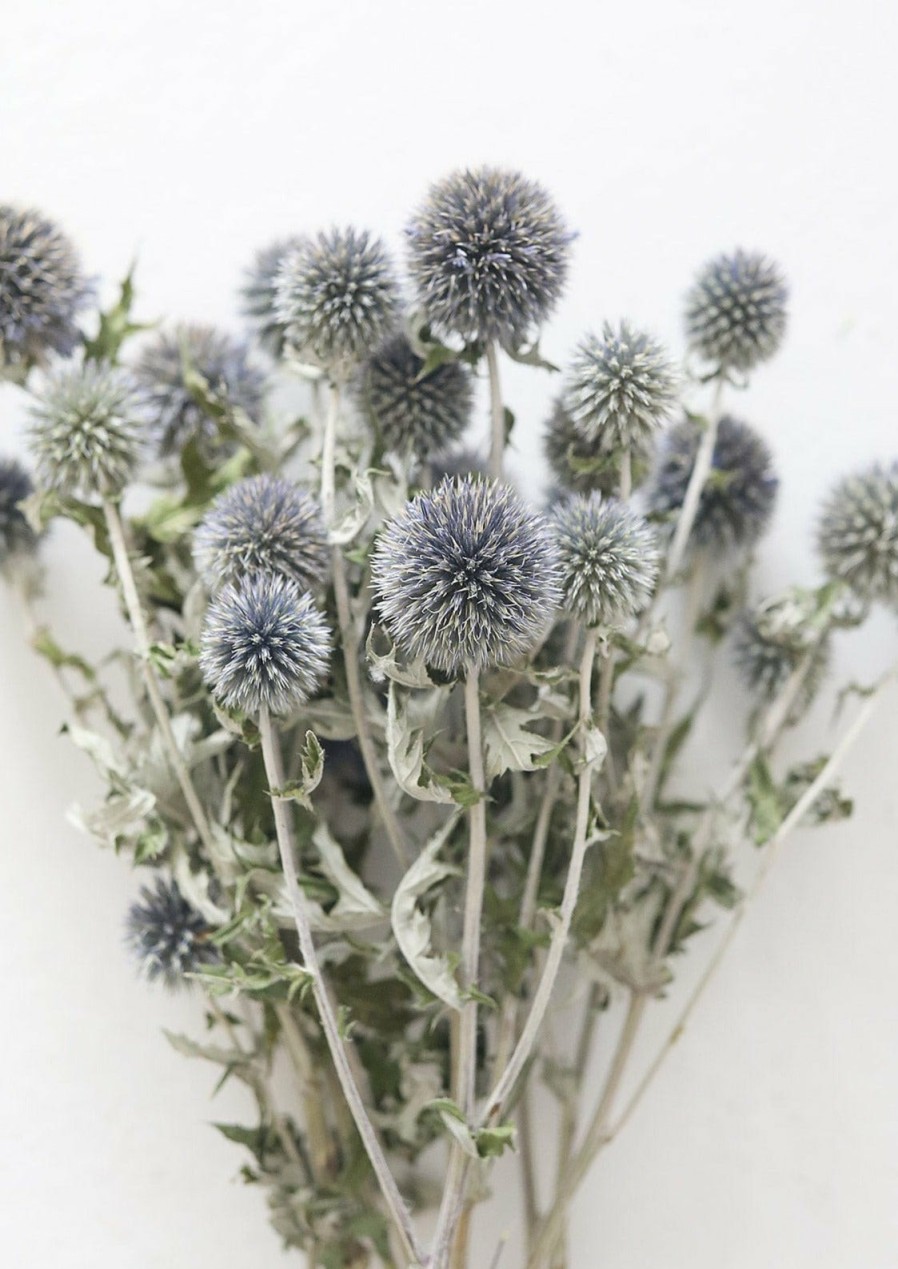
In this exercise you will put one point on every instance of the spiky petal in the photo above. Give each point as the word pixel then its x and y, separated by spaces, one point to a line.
pixel 174 414
pixel 337 298
pixel 415 415
pixel 85 431
pixel 738 497
pixel 466 576
pixel 17 538
pixel 264 643
pixel 42 289
pixel 488 253
pixel 167 935
pixel 259 293
pixel 736 310
pixel 619 387
pixel 858 533
pixel 262 525
pixel 608 555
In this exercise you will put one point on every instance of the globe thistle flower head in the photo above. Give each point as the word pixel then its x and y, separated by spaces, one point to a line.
pixel 42 289
pixel 173 413
pixel 737 500
pixel 858 533
pixel 169 938
pixel 488 252
pixel 262 525
pixel 465 576
pixel 85 431
pixel 264 645
pixel 414 414
pixel 736 310
pixel 619 387
pixel 259 294
pixel 578 461
pixel 337 298
pixel 17 538
pixel 772 641
pixel 609 558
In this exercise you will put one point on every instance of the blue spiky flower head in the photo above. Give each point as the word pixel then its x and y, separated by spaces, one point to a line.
pixel 736 310
pixel 609 558
pixel 85 431
pixel 774 639
pixel 737 500
pixel 466 576
pixel 857 534
pixel 262 525
pixel 488 253
pixel 169 938
pixel 174 415
pixel 42 289
pixel 259 294
pixel 619 387
pixel 337 298
pixel 264 645
pixel 17 538
pixel 417 415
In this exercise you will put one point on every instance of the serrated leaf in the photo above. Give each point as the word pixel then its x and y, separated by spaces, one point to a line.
pixel 405 749
pixel 385 666
pixel 311 771
pixel 508 745
pixel 412 927
pixel 765 800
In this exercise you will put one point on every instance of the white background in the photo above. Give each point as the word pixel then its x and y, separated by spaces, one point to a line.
pixel 190 134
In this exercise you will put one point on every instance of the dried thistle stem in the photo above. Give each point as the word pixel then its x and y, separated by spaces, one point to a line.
pixel 497 411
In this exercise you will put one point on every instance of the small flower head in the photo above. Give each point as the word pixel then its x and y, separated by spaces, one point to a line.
pixel 858 533
pixel 264 645
pixel 17 538
pixel 42 289
pixel 609 558
pixel 738 497
pixel 736 310
pixel 619 387
pixel 773 640
pixel 579 462
pixel 259 294
pixel 421 416
pixel 337 298
pixel 174 414
pixel 85 433
pixel 167 935
pixel 466 576
pixel 262 525
pixel 488 253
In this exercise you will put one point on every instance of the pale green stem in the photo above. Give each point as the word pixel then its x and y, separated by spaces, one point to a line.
pixel 282 807
pixel 497 412
pixel 700 471
pixel 626 475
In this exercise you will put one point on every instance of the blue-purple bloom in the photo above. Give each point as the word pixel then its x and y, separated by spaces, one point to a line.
pixel 259 294
pixel 169 938
pixel 736 310
pixel 858 532
pixel 608 556
pixel 17 538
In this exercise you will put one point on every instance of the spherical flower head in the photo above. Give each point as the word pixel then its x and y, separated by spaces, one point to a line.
pixel 85 431
pixel 259 294
pixel 466 576
pixel 488 252
pixel 337 298
pixel 264 645
pixel 262 525
pixel 579 462
pixel 42 289
pixel 619 387
pixel 415 415
pixel 736 310
pixel 167 935
pixel 609 558
pixel 738 497
pixel 17 538
pixel 858 533
pixel 174 415
pixel 773 640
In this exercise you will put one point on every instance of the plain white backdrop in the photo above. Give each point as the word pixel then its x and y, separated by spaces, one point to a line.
pixel 189 134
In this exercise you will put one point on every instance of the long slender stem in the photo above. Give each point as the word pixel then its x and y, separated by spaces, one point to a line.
pixel 497 412
pixel 320 1143
pixel 528 1162
pixel 626 475
pixel 464 1089
pixel 703 459
pixel 328 454
pixel 138 623
pixel 558 943
pixel 286 844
